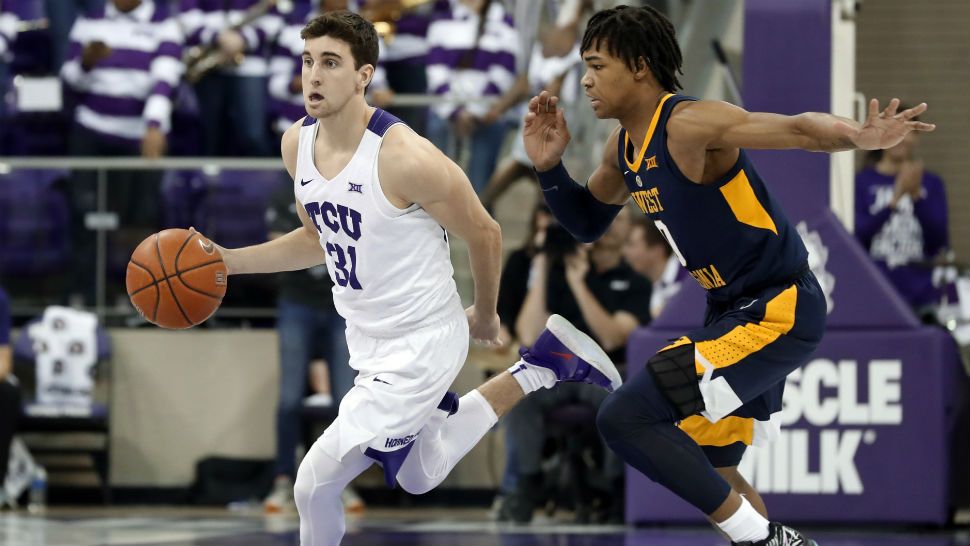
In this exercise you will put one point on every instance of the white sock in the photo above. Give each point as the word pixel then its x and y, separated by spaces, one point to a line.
pixel 532 378
pixel 746 524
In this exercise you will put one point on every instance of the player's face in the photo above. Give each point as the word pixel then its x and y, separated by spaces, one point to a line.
pixel 607 82
pixel 329 77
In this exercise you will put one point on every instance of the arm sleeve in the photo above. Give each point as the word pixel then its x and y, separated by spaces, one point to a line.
pixel 583 215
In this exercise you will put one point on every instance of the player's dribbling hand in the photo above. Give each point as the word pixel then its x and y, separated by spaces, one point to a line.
pixel 885 129
pixel 545 133
pixel 483 329
pixel 225 253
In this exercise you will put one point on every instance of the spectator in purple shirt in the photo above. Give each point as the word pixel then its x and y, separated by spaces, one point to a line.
pixel 123 64
pixel 901 219
pixel 232 97
pixel 472 55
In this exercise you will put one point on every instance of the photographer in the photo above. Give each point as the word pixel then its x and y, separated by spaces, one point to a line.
pixel 591 286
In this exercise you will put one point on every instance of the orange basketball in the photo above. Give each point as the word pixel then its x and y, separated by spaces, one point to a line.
pixel 176 278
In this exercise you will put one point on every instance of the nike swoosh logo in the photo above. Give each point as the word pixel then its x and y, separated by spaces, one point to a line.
pixel 567 356
pixel 207 246
pixel 305 182
pixel 626 172
pixel 748 305
pixel 549 189
pixel 379 380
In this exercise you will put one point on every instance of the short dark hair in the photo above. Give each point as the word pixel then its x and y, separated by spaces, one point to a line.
pixel 630 33
pixel 347 27
pixel 651 235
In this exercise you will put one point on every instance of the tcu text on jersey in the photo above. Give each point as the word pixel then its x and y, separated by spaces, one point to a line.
pixel 339 219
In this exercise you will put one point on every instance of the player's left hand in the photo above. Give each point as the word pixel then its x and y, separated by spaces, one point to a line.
pixel 483 327
pixel 887 128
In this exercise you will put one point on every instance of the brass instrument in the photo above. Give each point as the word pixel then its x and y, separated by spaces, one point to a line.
pixel 201 59
pixel 385 14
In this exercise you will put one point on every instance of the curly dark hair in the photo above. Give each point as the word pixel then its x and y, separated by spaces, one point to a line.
pixel 347 27
pixel 629 33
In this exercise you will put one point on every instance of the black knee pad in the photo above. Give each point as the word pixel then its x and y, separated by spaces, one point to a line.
pixel 674 373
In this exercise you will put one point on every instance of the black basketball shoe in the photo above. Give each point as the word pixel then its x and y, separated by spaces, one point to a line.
pixel 781 535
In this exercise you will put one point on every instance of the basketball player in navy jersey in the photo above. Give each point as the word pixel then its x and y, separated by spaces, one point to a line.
pixel 375 200
pixel 685 420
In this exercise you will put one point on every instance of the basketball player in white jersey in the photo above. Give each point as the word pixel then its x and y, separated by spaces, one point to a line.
pixel 377 202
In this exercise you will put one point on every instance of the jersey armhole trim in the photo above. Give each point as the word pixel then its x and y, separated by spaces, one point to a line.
pixel 384 205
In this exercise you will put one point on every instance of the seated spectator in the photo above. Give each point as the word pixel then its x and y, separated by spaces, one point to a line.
pixel 901 219
pixel 511 294
pixel 514 285
pixel 592 287
pixel 649 254
pixel 472 55
pixel 123 64
pixel 9 392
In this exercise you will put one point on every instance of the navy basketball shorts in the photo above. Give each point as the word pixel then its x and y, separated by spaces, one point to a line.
pixel 741 357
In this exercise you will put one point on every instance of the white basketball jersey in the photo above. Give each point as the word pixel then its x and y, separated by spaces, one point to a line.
pixel 391 267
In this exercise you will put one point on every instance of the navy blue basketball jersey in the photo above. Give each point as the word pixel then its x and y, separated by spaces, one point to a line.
pixel 731 235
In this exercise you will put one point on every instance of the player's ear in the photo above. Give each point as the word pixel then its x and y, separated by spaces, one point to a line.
pixel 364 75
pixel 642 69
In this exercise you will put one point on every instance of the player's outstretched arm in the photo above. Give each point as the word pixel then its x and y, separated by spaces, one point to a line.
pixel 585 211
pixel 412 170
pixel 719 125
pixel 298 249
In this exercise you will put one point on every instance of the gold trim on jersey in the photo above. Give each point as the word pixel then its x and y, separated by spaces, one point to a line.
pixel 745 205
pixel 747 339
pixel 725 432
pixel 635 166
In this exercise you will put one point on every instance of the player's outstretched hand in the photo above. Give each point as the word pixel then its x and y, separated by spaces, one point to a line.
pixel 887 128
pixel 545 133
pixel 484 329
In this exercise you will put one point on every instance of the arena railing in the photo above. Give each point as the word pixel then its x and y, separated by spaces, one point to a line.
pixel 29 296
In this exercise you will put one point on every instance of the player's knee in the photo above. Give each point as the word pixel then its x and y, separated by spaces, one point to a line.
pixel 613 416
pixel 303 487
pixel 414 483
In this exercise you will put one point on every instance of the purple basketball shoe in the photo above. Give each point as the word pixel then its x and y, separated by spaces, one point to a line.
pixel 572 355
